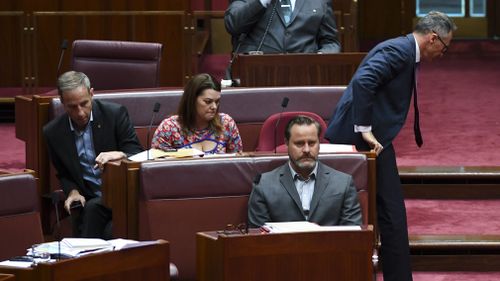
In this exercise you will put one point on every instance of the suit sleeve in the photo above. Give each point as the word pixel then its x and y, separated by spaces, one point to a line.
pixel 328 41
pixel 258 212
pixel 241 16
pixel 127 139
pixel 62 173
pixel 379 70
pixel 351 211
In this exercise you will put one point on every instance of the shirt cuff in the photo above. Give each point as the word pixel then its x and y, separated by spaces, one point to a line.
pixel 362 129
pixel 265 2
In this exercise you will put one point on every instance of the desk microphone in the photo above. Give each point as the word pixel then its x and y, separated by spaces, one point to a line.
pixel 228 77
pixel 55 201
pixel 156 108
pixel 284 104
pixel 64 46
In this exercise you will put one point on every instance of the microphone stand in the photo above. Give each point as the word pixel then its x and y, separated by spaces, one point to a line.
pixel 228 77
pixel 156 108
pixel 284 104
pixel 64 46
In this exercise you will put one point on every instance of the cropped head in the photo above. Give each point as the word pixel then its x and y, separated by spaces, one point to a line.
pixel 437 30
pixel 199 105
pixel 76 96
pixel 302 135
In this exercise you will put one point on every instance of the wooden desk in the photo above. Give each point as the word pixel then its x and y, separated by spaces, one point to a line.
pixel 141 263
pixel 335 255
pixel 271 70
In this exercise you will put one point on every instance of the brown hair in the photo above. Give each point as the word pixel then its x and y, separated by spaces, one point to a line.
pixel 187 106
pixel 301 120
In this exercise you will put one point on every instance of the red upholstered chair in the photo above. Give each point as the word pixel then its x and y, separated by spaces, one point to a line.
pixel 114 65
pixel 20 225
pixel 272 137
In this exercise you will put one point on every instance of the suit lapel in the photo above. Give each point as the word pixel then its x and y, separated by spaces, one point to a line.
pixel 296 9
pixel 319 188
pixel 97 129
pixel 287 183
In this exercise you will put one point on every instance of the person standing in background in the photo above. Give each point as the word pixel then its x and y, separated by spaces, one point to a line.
pixel 371 113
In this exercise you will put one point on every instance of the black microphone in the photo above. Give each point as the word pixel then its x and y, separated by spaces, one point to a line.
pixel 64 46
pixel 156 108
pixel 268 25
pixel 284 104
pixel 54 196
pixel 229 69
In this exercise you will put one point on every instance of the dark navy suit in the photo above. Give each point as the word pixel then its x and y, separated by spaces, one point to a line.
pixel 379 95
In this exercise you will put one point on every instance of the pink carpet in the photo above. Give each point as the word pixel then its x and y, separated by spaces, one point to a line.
pixel 459 103
pixel 12 152
pixel 452 276
pixel 457 217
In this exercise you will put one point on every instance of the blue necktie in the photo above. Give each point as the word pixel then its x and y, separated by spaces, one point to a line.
pixel 286 8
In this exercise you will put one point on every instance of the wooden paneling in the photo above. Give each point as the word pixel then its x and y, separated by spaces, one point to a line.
pixel 166 27
pixel 12 54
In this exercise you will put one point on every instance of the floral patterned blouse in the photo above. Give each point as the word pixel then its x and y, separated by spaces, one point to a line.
pixel 169 135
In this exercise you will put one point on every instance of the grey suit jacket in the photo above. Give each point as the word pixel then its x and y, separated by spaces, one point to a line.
pixel 311 29
pixel 275 199
pixel 111 130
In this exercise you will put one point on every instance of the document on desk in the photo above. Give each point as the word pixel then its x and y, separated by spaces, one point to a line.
pixel 304 226
pixel 73 247
pixel 157 153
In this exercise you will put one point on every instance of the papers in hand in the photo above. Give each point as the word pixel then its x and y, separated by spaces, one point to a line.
pixel 157 153
pixel 304 226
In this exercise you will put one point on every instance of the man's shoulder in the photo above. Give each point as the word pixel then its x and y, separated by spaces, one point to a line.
pixel 55 125
pixel 107 105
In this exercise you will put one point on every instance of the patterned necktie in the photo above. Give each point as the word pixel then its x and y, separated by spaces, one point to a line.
pixel 416 122
pixel 286 9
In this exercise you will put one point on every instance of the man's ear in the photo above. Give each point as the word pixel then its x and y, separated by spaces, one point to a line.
pixel 91 92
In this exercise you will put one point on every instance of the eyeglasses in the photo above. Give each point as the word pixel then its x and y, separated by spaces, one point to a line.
pixel 232 229
pixel 445 47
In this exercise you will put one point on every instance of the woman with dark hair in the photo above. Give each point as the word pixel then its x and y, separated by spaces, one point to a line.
pixel 198 123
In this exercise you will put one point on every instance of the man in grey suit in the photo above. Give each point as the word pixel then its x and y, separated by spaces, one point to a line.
pixel 304 189
pixel 282 26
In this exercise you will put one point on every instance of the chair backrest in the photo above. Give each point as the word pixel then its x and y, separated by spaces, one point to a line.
pixel 179 198
pixel 118 64
pixel 272 136
pixel 20 225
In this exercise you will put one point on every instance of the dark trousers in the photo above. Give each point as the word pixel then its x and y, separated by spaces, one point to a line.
pixel 93 220
pixel 391 216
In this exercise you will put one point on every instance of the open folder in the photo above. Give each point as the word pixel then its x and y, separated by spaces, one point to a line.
pixel 157 153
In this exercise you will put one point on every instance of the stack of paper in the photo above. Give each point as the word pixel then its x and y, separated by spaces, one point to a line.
pixel 157 153
pixel 304 226
pixel 73 247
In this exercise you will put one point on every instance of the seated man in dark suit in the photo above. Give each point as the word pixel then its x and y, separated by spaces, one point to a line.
pixel 80 142
pixel 304 188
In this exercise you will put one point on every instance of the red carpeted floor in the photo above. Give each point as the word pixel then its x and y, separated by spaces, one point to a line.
pixel 12 152
pixel 452 276
pixel 459 101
